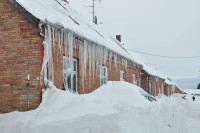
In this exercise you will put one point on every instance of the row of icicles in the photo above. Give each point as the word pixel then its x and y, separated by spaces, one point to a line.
pixel 89 54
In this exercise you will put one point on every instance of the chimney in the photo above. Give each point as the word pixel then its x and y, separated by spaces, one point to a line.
pixel 66 1
pixel 118 37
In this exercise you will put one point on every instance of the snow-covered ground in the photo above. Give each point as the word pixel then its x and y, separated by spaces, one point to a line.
pixel 117 107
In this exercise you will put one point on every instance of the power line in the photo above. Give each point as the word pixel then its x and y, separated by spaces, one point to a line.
pixel 164 56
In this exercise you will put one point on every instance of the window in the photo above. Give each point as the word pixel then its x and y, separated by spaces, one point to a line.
pixel 134 79
pixel 70 74
pixel 103 75
pixel 122 76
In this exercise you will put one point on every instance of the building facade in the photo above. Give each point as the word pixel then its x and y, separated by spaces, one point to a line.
pixel 152 84
pixel 28 58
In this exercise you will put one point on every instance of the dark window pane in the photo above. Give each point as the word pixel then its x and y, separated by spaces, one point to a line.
pixel 74 83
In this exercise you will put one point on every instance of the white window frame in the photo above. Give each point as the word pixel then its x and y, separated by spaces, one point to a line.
pixel 122 75
pixel 134 78
pixel 70 73
pixel 103 75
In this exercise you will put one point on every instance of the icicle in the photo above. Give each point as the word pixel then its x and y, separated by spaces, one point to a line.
pixel 61 43
pixel 47 59
pixel 97 59
pixel 85 55
pixel 105 56
pixel 90 62
pixel 110 59
pixel 81 63
pixel 53 36
pixel 93 60
pixel 44 64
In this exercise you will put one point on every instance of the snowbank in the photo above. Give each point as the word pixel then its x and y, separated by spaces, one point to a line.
pixel 192 91
pixel 117 107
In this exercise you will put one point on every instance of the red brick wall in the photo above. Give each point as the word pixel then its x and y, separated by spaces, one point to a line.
pixel 144 81
pixel 20 52
pixel 177 90
pixel 145 84
pixel 168 87
pixel 91 84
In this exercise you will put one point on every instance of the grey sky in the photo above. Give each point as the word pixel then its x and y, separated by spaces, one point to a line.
pixel 164 27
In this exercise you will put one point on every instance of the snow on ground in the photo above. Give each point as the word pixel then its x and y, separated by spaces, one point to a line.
pixel 193 91
pixel 117 107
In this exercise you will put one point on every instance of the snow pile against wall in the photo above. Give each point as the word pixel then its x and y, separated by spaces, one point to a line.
pixel 63 111
pixel 114 108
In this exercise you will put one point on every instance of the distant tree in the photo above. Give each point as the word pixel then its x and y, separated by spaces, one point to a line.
pixel 198 86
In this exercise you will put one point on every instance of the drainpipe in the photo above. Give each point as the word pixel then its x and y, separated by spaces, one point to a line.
pixel 28 85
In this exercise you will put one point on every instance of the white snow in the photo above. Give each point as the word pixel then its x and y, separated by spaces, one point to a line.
pixel 61 14
pixel 192 91
pixel 117 107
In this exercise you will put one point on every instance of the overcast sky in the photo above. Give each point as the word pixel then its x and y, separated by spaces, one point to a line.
pixel 162 27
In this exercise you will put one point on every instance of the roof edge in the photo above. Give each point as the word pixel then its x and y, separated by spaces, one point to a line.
pixel 27 14
pixel 37 21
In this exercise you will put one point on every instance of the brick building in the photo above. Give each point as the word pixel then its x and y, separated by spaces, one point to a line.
pixel 47 40
pixel 153 85
pixel 42 41
pixel 171 87
pixel 153 81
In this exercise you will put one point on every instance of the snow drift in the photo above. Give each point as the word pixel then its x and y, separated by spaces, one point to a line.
pixel 117 107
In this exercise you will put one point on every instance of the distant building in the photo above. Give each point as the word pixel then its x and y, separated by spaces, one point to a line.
pixel 195 92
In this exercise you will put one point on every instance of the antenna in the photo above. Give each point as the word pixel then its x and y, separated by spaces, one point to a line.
pixel 93 11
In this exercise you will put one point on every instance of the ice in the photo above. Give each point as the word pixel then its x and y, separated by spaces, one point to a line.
pixel 45 61
pixel 110 58
pixel 90 54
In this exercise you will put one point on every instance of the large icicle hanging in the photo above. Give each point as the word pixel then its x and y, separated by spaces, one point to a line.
pixel 110 58
pixel 93 60
pixel 43 72
pixel 47 59
pixel 105 56
pixel 71 41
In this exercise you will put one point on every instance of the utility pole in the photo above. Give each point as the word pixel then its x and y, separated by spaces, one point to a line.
pixel 93 12
pixel 94 19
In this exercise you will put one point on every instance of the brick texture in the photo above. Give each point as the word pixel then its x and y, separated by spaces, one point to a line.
pixel 21 53
pixel 145 84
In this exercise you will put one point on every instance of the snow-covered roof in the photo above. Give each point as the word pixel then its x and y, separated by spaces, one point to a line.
pixel 147 66
pixel 58 12
pixel 137 58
